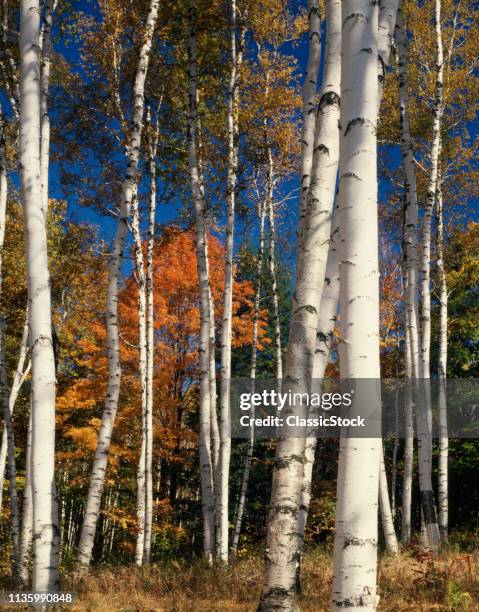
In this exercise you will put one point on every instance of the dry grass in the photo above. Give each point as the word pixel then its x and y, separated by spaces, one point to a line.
pixel 406 583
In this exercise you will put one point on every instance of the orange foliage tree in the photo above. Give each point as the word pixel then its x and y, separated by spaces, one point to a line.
pixel 177 323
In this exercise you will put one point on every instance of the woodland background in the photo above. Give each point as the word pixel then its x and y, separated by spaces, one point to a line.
pixel 94 58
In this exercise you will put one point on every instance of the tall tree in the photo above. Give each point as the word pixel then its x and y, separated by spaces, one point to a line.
pixel 279 585
pixel 226 337
pixel 114 364
pixel 197 188
pixel 355 543
pixel 45 517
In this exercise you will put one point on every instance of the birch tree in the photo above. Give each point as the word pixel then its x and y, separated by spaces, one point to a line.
pixel 355 544
pixel 282 538
pixel 113 345
pixel 46 50
pixel 12 471
pixel 206 470
pixel 387 520
pixel 414 259
pixel 152 142
pixel 45 519
pixel 142 369
pixel 254 359
pixel 322 191
pixel 226 337
pixel 442 477
pixel 26 534
pixel 427 495
pixel 272 263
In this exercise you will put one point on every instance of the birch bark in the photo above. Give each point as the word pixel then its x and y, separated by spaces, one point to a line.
pixel 26 534
pixel 46 50
pixel 206 470
pixel 427 495
pixel 45 518
pixel 281 559
pixel 430 198
pixel 114 365
pixel 254 357
pixel 12 471
pixel 417 344
pixel 387 520
pixel 408 445
pixel 320 203
pixel 226 327
pixel 355 545
pixel 152 138
pixel 442 476
pixel 272 267
pixel 142 367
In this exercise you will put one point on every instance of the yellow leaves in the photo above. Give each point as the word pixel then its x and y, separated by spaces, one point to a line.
pixel 84 437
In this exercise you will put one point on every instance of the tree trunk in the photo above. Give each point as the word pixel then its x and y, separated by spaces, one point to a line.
pixel 387 520
pixel 19 377
pixel 419 348
pixel 408 445
pixel 114 364
pixel 152 137
pixel 46 50
pixel 45 517
pixel 322 189
pixel 279 586
pixel 424 433
pixel 141 282
pixel 272 266
pixel 206 470
pixel 27 510
pixel 254 356
pixel 442 477
pixel 226 327
pixel 355 544
pixel 12 471
pixel 326 324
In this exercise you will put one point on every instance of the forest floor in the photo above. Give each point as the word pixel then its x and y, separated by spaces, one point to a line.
pixel 408 582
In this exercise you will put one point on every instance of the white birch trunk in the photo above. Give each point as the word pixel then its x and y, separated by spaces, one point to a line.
pixel 226 327
pixel 254 357
pixel 19 376
pixel 430 198
pixel 26 535
pixel 272 267
pixel 206 468
pixel 419 348
pixel 355 545
pixel 442 476
pixel 150 329
pixel 46 50
pixel 45 518
pixel 12 471
pixel 387 520
pixel 141 283
pixel 320 202
pixel 387 22
pixel 408 446
pixel 326 324
pixel 425 439
pixel 281 558
pixel 114 365
pixel 215 430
